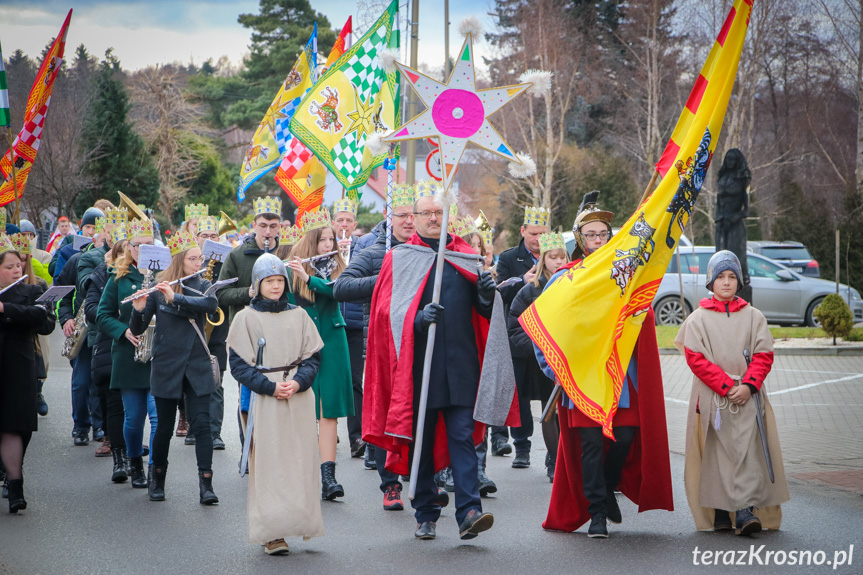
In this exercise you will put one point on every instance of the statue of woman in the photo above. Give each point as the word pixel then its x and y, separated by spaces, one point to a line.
pixel 732 207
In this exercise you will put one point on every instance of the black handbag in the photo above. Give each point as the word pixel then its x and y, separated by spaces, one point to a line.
pixel 214 361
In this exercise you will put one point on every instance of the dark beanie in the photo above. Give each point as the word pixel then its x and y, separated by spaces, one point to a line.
pixel 90 216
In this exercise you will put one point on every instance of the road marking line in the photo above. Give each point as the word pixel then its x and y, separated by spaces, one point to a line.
pixel 815 384
pixel 816 371
pixel 675 400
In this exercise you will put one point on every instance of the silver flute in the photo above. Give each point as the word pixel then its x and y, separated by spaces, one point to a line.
pixel 153 289
pixel 313 258
pixel 16 282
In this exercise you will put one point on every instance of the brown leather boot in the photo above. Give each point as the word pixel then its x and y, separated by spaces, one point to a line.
pixel 182 426
pixel 104 449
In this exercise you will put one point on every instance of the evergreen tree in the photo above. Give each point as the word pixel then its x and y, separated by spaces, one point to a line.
pixel 120 161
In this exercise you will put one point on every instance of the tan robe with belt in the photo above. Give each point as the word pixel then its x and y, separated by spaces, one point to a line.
pixel 284 463
pixel 725 467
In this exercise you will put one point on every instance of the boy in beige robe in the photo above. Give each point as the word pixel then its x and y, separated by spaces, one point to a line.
pixel 726 468
pixel 284 462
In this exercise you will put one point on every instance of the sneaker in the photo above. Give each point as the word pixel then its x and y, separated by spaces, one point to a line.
pixel 475 523
pixel 276 547
pixel 369 462
pixel 393 498
pixel 41 405
pixel 500 447
pixel 746 523
pixel 104 449
pixel 521 460
pixel 449 482
pixel 722 521
pixel 218 444
pixel 358 448
pixel 190 440
pixel 80 438
pixel 597 528
pixel 98 434
pixel 613 508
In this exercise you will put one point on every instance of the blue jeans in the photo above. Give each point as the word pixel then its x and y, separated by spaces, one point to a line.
pixel 138 404
pixel 81 390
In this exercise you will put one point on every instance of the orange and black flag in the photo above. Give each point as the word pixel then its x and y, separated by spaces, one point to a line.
pixel 26 145
pixel 586 323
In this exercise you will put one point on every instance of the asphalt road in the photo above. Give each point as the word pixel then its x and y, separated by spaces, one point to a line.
pixel 80 522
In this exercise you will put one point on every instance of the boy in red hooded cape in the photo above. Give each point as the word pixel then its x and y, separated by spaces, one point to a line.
pixel 471 381
pixel 591 467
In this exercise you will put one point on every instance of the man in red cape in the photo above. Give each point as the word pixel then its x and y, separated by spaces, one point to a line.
pixel 471 381
pixel 590 467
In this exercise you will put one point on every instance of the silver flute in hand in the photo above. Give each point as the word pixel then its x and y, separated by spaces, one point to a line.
pixel 155 288
pixel 313 258
pixel 13 284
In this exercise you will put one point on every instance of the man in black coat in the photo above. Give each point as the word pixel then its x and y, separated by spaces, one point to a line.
pixel 356 284
pixel 519 262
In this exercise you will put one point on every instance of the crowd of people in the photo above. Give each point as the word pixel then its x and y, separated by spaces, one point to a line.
pixel 317 324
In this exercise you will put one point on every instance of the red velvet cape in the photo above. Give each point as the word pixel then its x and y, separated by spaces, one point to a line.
pixel 388 416
pixel 646 478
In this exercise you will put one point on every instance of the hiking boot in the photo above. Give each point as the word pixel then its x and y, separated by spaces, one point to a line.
pixel 156 488
pixel 500 447
pixel 393 498
pixel 746 523
pixel 139 480
pixel 121 464
pixel 205 485
pixel 330 488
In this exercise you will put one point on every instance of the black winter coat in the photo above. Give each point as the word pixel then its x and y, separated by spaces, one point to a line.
pixel 100 366
pixel 178 352
pixel 20 321
pixel 531 382
pixel 353 313
pixel 72 301
pixel 514 262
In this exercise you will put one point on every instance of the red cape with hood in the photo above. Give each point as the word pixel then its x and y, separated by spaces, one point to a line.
pixel 388 415
pixel 646 477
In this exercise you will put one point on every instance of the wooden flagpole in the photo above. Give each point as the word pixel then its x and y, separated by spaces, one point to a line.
pixel 17 216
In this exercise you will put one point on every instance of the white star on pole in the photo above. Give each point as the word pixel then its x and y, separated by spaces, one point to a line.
pixel 457 113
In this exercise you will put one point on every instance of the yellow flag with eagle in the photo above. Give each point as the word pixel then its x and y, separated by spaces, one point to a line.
pixel 587 322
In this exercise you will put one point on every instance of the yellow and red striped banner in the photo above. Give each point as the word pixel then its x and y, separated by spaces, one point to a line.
pixel 26 144
pixel 587 322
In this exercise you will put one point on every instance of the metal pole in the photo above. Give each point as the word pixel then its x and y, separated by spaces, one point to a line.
pixel 837 261
pixel 412 106
pixel 389 165
pixel 446 69
pixel 424 390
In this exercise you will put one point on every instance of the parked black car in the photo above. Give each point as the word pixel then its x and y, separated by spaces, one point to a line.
pixel 792 255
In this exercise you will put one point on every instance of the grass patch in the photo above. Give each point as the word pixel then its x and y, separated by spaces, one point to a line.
pixel 665 334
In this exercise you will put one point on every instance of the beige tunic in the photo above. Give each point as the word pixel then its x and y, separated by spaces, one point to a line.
pixel 725 467
pixel 284 463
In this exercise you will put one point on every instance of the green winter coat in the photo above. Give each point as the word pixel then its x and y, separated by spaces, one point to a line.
pixel 332 386
pixel 112 319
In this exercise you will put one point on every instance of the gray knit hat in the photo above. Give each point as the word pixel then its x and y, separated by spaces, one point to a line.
pixel 722 261
pixel 27 226
pixel 89 218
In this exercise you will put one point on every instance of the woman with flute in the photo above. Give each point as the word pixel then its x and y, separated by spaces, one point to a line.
pixel 181 360
pixel 131 377
pixel 311 284
pixel 20 321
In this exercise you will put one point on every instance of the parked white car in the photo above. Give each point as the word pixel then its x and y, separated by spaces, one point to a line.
pixel 783 296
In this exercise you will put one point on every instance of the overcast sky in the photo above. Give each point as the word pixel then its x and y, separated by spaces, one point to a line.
pixel 163 31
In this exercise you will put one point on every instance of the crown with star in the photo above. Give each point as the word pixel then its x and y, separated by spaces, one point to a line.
pixel 268 205
pixel 20 243
pixel 290 235
pixel 208 224
pixel 119 232
pixel 534 216
pixel 403 195
pixel 320 218
pixel 180 242
pixel 197 211
pixel 139 229
pixel 116 216
pixel 345 205
pixel 551 241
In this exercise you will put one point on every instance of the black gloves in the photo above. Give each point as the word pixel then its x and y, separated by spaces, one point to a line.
pixel 485 288
pixel 431 313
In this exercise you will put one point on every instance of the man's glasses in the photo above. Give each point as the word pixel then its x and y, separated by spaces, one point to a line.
pixel 590 236
pixel 427 215
pixel 402 216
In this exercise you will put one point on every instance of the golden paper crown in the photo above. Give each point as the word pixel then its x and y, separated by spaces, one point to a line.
pixel 534 216
pixel 197 211
pixel 487 236
pixel 268 205
pixel 100 225
pixel 2 219
pixel 290 235
pixel 345 205
pixel 180 242
pixel 20 243
pixel 426 189
pixel 403 195
pixel 139 229
pixel 208 224
pixel 119 232
pixel 5 242
pixel 116 216
pixel 317 219
pixel 462 226
pixel 551 241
